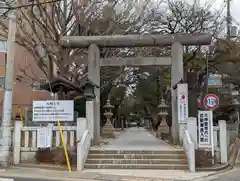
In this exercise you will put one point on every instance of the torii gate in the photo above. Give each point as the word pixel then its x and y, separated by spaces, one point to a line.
pixel 93 43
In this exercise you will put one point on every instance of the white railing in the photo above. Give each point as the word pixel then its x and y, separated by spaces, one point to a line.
pixel 224 135
pixel 189 149
pixel 24 140
pixel 82 150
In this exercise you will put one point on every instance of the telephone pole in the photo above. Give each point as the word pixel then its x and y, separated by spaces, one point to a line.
pixel 229 19
pixel 7 101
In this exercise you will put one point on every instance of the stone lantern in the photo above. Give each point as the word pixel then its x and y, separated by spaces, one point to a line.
pixel 163 112
pixel 108 129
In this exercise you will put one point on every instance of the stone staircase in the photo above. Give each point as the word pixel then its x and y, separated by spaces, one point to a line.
pixel 124 159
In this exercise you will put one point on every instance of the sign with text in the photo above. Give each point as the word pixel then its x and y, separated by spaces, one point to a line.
pixel 205 129
pixel 182 102
pixel 211 101
pixel 53 110
pixel 44 137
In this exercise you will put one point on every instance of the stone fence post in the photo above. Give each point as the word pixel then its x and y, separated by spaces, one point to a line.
pixel 192 130
pixel 223 141
pixel 81 127
pixel 17 142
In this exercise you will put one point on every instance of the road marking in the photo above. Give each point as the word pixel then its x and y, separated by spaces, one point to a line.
pixel 6 179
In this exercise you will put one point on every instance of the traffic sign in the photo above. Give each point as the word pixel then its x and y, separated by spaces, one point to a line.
pixel 211 101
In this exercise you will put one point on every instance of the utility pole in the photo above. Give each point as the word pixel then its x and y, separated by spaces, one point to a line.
pixel 7 102
pixel 229 20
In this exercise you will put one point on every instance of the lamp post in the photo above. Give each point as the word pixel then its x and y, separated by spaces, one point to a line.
pixel 163 107
pixel 108 129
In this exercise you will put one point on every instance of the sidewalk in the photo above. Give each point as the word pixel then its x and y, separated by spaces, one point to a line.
pixel 103 175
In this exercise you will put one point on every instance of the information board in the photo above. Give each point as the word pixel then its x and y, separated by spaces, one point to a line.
pixel 205 129
pixel 182 102
pixel 44 137
pixel 53 110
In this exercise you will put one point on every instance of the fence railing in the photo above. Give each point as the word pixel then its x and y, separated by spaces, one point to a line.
pixel 83 148
pixel 189 149
pixel 24 140
pixel 224 135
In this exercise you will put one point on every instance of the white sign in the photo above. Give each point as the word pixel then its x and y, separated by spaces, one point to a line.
pixel 3 45
pixel 205 129
pixel 44 137
pixel 53 110
pixel 182 102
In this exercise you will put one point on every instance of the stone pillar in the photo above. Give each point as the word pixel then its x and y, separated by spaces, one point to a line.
pixel 94 76
pixel 177 75
pixel 192 129
pixel 223 141
pixel 90 109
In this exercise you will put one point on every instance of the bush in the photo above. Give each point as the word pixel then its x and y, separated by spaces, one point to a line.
pixel 56 155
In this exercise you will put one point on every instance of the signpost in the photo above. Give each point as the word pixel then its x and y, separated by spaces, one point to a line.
pixel 211 101
pixel 182 102
pixel 53 110
pixel 205 130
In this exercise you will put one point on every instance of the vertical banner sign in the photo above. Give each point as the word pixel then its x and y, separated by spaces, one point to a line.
pixel 205 129
pixel 44 137
pixel 182 102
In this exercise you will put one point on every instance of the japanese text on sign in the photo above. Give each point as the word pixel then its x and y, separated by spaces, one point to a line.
pixel 53 110
pixel 44 137
pixel 182 102
pixel 205 128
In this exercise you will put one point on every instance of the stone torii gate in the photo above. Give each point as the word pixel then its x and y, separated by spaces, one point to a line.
pixel 93 43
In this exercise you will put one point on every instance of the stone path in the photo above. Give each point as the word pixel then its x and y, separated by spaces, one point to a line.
pixel 137 139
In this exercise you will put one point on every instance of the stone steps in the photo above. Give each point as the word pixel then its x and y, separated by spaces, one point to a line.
pixel 101 151
pixel 138 166
pixel 136 159
pixel 136 156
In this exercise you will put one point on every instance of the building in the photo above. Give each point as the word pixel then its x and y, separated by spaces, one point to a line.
pixel 25 87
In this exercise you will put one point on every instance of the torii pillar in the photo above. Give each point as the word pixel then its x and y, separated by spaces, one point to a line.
pixel 93 106
pixel 176 76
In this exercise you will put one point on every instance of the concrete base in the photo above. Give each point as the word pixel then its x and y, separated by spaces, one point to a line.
pixel 108 130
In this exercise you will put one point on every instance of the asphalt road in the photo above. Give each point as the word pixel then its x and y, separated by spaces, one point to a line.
pixel 232 175
pixel 23 179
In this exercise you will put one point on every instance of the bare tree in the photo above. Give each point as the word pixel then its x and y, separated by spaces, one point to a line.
pixel 40 26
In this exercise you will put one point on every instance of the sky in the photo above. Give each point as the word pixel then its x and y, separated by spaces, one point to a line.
pixel 219 4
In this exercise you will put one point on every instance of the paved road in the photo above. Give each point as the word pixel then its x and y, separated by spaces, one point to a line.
pixel 232 175
pixel 22 179
pixel 137 139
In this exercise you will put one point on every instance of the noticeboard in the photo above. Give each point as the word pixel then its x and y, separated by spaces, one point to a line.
pixel 53 110
pixel 205 129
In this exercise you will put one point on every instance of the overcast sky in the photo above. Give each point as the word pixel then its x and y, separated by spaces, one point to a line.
pixel 219 4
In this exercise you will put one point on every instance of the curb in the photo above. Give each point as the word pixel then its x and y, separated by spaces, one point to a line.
pixel 233 161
